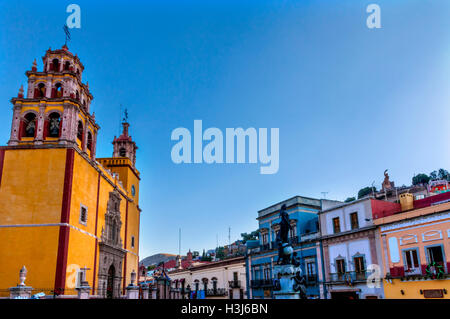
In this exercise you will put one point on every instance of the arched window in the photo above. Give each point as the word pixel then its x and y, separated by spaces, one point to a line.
pixel 67 66
pixel 89 141
pixel 54 125
pixel 40 90
pixel 214 282
pixel 77 95
pixel 122 152
pixel 205 284
pixel 58 90
pixel 197 284
pixel 80 131
pixel 55 63
pixel 29 125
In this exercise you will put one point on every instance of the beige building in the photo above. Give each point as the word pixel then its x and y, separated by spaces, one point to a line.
pixel 225 279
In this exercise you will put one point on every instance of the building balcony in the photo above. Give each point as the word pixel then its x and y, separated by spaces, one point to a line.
pixel 293 240
pixel 261 283
pixel 219 292
pixel 234 284
pixel 419 272
pixel 348 277
pixel 415 271
pixel 311 280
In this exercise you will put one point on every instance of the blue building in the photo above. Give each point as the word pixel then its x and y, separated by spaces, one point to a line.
pixel 304 237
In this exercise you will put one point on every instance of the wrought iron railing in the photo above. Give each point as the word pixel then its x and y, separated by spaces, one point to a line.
pixel 234 284
pixel 216 292
pixel 349 277
pixel 261 283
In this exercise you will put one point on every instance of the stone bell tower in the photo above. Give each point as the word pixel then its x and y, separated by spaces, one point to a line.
pixel 55 108
pixel 124 146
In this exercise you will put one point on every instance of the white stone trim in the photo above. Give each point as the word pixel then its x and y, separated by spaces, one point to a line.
pixel 408 238
pixel 431 233
pixel 390 228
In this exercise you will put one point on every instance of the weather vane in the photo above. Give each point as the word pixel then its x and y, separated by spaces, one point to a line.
pixel 67 32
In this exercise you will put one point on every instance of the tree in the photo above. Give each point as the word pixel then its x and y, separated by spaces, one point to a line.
pixel 366 191
pixel 220 253
pixel 349 199
pixel 252 236
pixel 420 179
pixel 440 174
pixel 205 257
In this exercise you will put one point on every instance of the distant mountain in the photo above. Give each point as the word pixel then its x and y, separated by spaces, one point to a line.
pixel 156 259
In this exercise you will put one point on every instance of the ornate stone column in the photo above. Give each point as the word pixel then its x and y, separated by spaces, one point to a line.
pixel 14 139
pixel 40 124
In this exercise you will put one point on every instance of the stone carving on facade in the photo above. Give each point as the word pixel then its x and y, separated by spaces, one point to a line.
pixel 111 251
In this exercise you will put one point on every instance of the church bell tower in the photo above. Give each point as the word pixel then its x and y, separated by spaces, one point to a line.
pixel 55 109
pixel 124 146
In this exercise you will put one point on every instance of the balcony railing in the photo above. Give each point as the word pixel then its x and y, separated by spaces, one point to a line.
pixel 349 277
pixel 293 240
pixel 265 247
pixel 415 271
pixel 234 284
pixel 261 283
pixel 311 280
pixel 219 292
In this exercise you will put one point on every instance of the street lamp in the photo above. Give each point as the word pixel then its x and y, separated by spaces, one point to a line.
pixel 188 291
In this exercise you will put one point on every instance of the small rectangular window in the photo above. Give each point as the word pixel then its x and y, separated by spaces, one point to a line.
pixel 340 266
pixel 132 241
pixel 83 215
pixel 354 220
pixel 359 264
pixel 336 225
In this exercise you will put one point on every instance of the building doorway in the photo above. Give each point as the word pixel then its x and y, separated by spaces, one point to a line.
pixel 110 282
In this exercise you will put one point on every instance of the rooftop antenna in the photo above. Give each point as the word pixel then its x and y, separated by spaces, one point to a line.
pixel 229 236
pixel 373 190
pixel 324 194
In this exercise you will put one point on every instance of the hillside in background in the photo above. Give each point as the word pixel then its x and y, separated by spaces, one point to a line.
pixel 156 259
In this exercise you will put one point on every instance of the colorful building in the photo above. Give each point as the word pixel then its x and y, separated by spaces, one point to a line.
pixel 350 246
pixel 63 208
pixel 415 245
pixel 304 237
pixel 223 279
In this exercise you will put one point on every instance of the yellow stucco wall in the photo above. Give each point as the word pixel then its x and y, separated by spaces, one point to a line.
pixel 411 289
pixel 32 185
pixel 31 190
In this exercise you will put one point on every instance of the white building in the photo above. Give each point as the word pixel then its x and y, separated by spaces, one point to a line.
pixel 350 246
pixel 225 279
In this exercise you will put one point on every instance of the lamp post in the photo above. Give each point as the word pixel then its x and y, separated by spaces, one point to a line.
pixel 188 291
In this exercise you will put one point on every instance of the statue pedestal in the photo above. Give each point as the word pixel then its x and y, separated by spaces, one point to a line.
pixel 132 292
pixel 285 274
pixel 83 291
pixel 20 292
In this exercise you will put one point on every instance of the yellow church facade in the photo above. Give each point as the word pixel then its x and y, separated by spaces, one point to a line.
pixel 63 209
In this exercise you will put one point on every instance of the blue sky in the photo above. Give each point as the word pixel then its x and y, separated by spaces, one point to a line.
pixel 349 101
